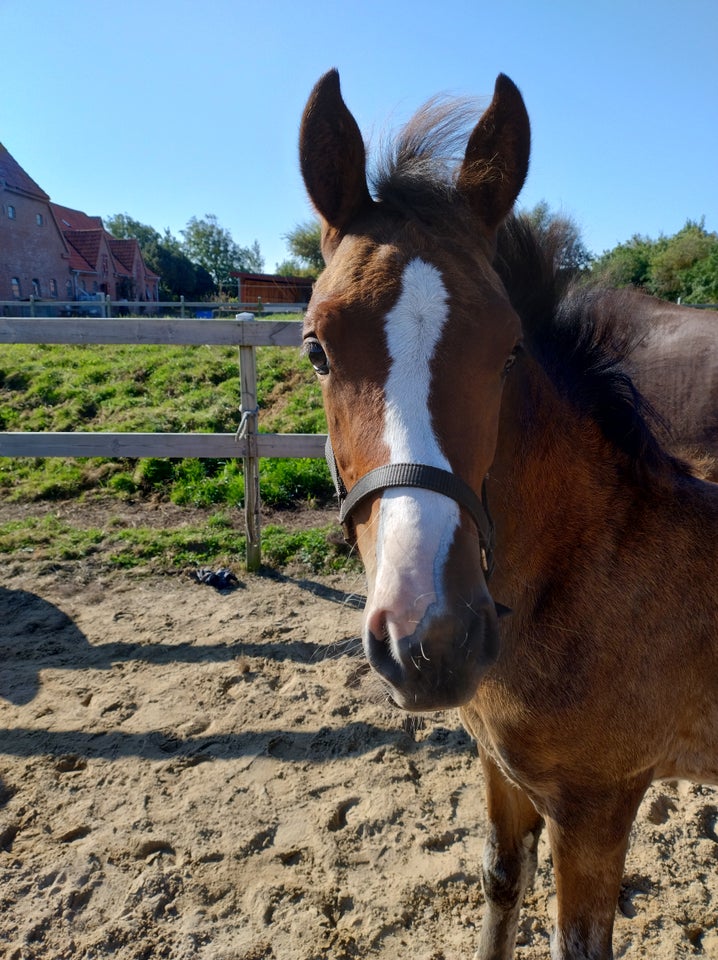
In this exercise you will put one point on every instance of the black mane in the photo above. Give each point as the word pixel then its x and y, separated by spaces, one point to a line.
pixel 582 336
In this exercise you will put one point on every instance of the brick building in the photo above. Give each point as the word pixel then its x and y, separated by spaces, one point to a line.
pixel 52 252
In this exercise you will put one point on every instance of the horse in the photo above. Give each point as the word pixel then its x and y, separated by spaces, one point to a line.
pixel 670 350
pixel 535 556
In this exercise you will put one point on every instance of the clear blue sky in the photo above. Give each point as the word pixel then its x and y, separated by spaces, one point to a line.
pixel 168 109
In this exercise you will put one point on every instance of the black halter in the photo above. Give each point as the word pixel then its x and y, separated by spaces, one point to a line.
pixel 415 475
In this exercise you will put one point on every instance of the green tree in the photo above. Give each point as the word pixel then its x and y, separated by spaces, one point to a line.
pixel 124 227
pixel 210 245
pixel 677 257
pixel 178 275
pixel 700 281
pixel 628 264
pixel 163 253
pixel 682 267
pixel 305 246
pixel 574 256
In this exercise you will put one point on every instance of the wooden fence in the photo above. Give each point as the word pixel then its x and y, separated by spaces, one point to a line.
pixel 244 332
pixel 99 305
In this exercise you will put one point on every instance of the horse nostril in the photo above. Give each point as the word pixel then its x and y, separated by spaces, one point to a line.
pixel 378 625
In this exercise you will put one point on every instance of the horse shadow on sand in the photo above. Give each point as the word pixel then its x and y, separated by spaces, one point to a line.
pixel 35 635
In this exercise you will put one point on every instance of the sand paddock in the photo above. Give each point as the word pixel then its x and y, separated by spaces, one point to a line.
pixel 194 774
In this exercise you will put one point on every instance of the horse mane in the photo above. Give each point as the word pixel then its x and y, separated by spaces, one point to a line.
pixel 577 331
pixel 415 172
pixel 581 335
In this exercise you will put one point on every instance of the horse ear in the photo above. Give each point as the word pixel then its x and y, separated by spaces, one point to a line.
pixel 497 156
pixel 332 159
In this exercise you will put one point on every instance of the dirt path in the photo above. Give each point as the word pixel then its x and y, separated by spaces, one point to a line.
pixel 191 774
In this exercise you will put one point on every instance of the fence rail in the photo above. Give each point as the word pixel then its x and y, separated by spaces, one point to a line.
pixel 247 443
pixel 99 306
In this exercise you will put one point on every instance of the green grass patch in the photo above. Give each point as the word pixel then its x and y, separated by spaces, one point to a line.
pixel 214 543
pixel 156 389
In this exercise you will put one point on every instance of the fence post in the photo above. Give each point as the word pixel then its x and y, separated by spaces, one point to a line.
pixel 248 430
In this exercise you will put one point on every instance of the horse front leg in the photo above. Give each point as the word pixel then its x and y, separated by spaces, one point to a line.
pixel 589 838
pixel 509 861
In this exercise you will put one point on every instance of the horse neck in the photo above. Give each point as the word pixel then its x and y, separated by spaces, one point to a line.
pixel 556 489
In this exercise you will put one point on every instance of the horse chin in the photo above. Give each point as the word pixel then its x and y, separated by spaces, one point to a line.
pixel 441 664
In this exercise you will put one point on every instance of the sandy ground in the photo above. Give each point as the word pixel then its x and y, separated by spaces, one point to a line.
pixel 193 774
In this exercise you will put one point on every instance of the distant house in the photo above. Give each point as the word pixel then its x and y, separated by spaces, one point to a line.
pixel 100 263
pixel 52 252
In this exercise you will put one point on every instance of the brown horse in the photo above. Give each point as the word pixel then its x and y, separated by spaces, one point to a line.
pixel 671 351
pixel 576 625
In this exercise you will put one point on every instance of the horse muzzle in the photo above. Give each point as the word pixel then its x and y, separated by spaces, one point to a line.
pixel 439 664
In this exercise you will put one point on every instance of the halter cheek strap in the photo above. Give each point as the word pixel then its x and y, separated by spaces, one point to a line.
pixel 421 476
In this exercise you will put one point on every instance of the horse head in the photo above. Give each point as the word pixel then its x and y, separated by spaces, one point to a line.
pixel 411 333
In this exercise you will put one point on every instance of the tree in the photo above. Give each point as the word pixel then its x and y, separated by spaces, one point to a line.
pixel 251 258
pixel 682 267
pixel 164 254
pixel 305 245
pixel 179 277
pixel 700 282
pixel 212 247
pixel 679 255
pixel 124 227
pixel 573 256
pixel 628 264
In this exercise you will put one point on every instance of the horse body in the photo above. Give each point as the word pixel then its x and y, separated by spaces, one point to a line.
pixel 675 366
pixel 593 646
pixel 604 675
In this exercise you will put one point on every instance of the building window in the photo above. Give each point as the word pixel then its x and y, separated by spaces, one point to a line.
pixel 36 287
pixel 38 219
pixel 68 289
pixel 10 212
pixel 15 284
pixel 53 288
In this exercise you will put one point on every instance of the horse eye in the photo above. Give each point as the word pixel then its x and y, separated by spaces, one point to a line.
pixel 317 357
pixel 511 361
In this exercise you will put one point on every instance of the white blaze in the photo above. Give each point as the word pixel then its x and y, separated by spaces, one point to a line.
pixel 415 528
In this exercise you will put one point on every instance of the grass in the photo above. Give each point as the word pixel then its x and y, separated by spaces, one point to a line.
pixel 214 543
pixel 158 389
pixel 155 389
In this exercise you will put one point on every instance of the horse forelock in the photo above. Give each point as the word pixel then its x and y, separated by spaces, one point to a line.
pixel 415 171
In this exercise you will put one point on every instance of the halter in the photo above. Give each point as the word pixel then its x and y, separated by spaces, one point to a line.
pixel 417 475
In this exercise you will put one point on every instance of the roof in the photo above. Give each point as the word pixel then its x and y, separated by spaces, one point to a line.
pixel 69 219
pixel 279 279
pixel 82 233
pixel 84 248
pixel 124 250
pixel 15 177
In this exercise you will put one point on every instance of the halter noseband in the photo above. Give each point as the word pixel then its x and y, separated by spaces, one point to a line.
pixel 418 475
